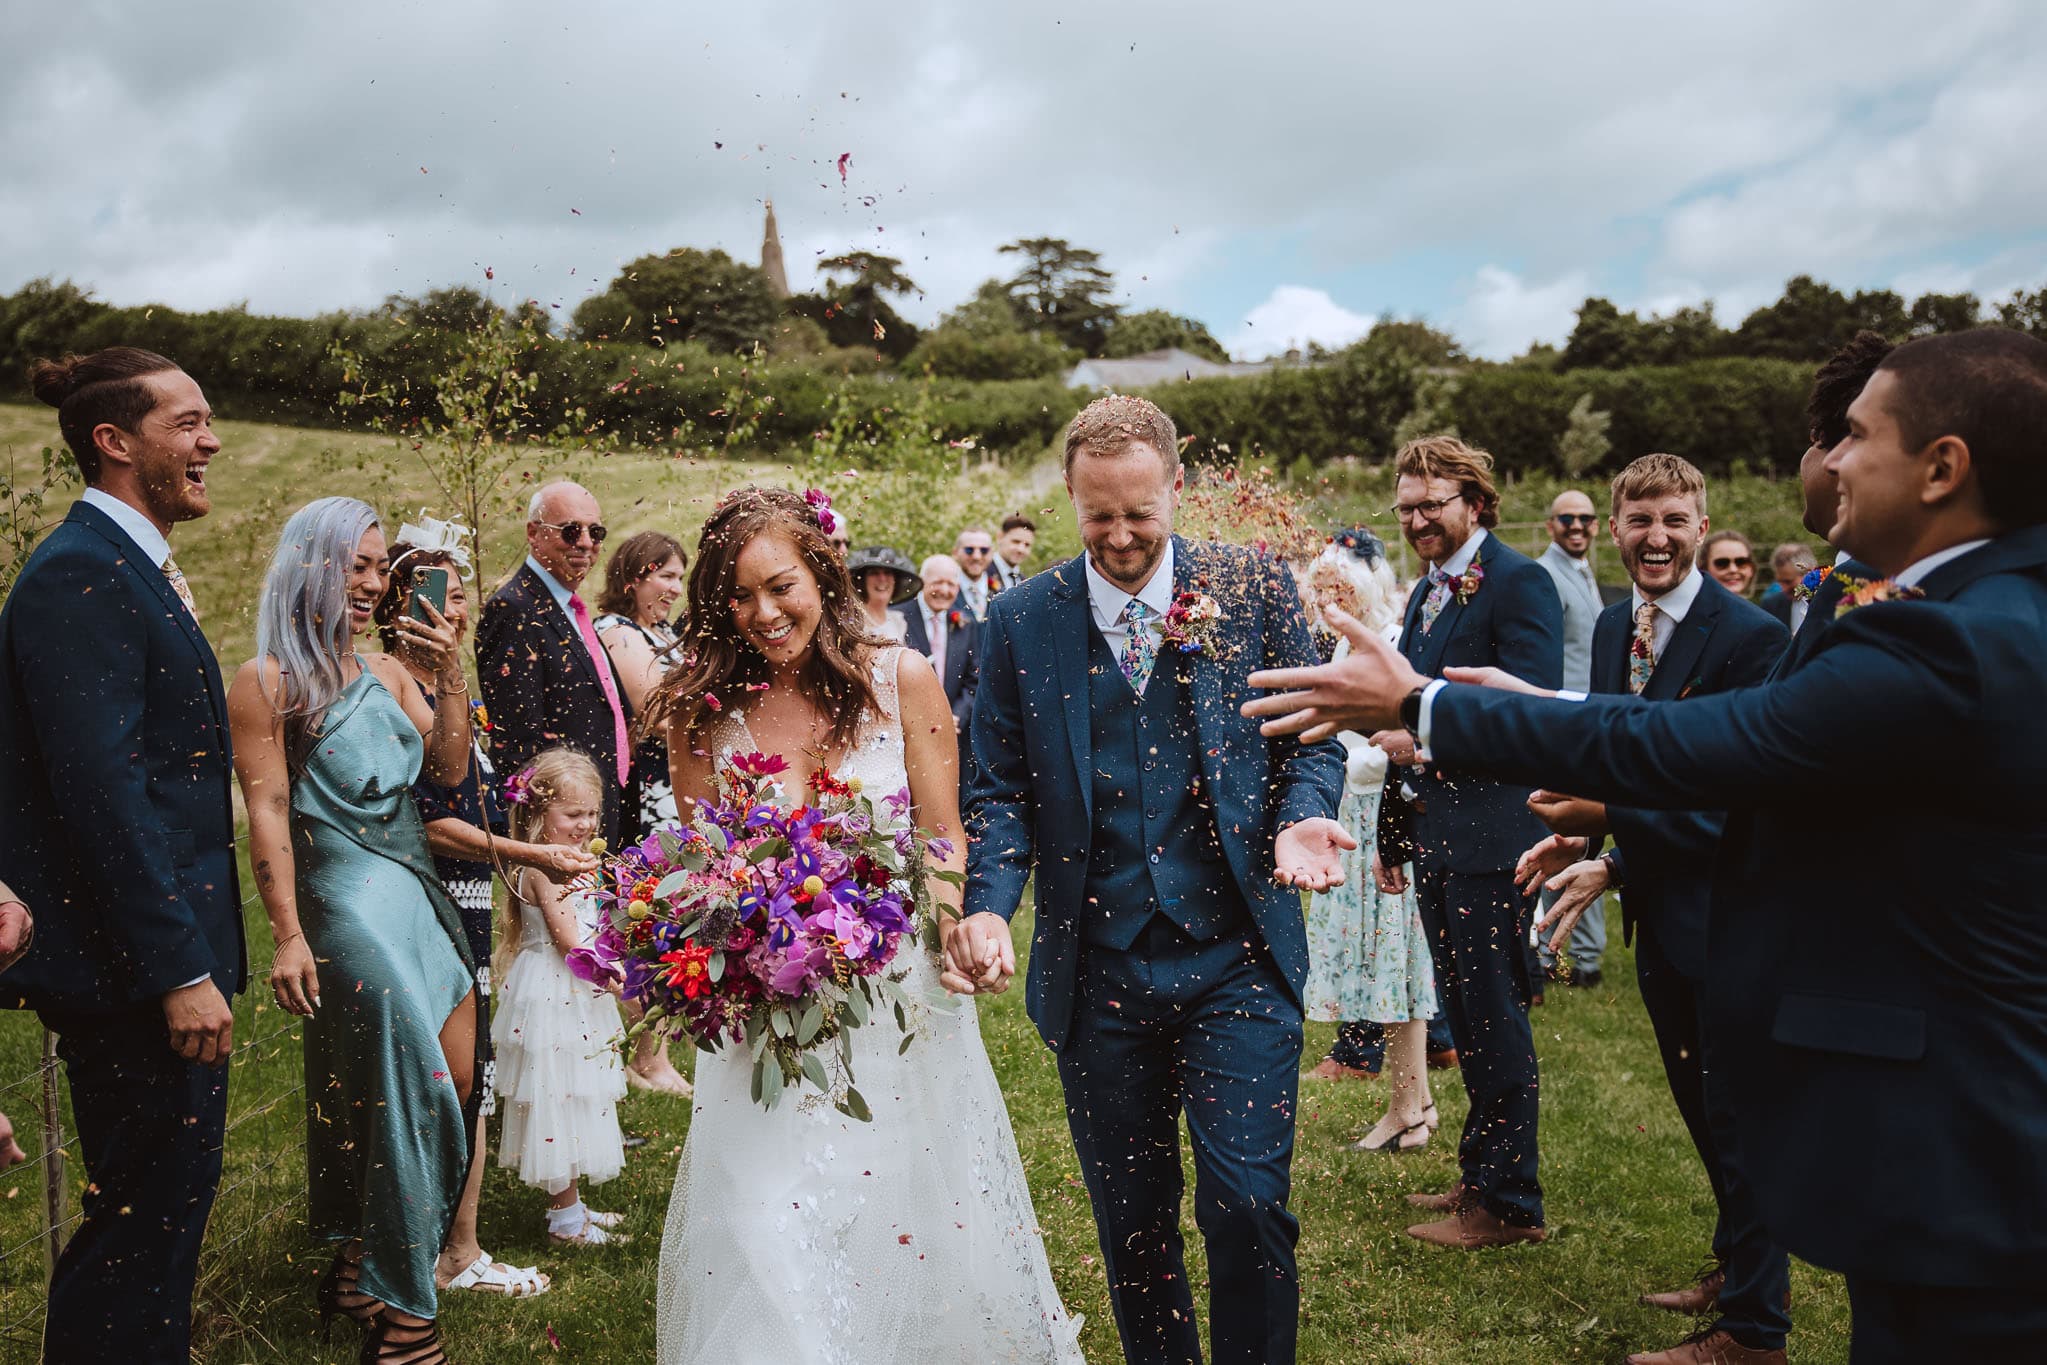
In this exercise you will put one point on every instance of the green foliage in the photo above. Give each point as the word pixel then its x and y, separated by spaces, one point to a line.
pixel 1608 338
pixel 1155 329
pixel 1813 320
pixel 1416 339
pixel 1584 442
pixel 955 353
pixel 683 295
pixel 30 504
pixel 455 308
pixel 855 319
pixel 2026 312
pixel 1063 289
pixel 1933 314
pixel 1352 403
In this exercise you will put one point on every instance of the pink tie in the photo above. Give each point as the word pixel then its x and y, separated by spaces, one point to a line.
pixel 597 661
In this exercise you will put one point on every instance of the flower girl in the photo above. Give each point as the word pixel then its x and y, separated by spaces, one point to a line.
pixel 557 1037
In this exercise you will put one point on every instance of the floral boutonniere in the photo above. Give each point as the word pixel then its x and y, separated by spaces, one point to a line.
pixel 1863 592
pixel 479 723
pixel 1810 584
pixel 1191 622
pixel 955 619
pixel 1469 584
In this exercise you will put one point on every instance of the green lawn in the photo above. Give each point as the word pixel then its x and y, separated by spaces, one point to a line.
pixel 1629 1208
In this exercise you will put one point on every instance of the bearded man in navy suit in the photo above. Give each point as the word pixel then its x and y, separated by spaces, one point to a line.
pixel 117 827
pixel 1876 973
pixel 1169 845
pixel 1481 604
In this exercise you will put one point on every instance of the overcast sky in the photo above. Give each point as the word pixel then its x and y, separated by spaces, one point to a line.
pixel 1282 171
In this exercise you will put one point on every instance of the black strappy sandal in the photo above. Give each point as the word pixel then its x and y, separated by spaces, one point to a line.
pixel 401 1343
pixel 339 1295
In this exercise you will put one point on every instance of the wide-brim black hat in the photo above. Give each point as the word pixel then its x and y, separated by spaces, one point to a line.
pixel 908 582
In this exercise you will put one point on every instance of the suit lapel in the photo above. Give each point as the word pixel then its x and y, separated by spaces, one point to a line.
pixel 557 618
pixel 1682 652
pixel 152 577
pixel 914 634
pixel 1069 651
pixel 2025 549
pixel 1438 639
pixel 1612 665
pixel 1203 670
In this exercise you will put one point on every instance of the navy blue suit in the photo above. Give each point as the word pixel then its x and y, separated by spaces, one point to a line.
pixel 1166 966
pixel 1463 835
pixel 962 670
pixel 1877 972
pixel 1819 613
pixel 1664 860
pixel 117 830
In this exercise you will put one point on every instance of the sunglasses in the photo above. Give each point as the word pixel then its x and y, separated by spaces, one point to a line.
pixel 1570 519
pixel 974 552
pixel 1742 563
pixel 572 531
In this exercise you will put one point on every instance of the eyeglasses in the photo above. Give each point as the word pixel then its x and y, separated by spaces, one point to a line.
pixel 1569 519
pixel 974 552
pixel 1427 511
pixel 1743 563
pixel 572 531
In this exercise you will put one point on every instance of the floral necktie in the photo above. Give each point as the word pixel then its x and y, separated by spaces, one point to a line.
pixel 1642 651
pixel 1140 652
pixel 179 586
pixel 1438 598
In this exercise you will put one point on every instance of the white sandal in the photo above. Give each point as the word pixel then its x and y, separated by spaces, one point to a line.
pixel 604 1220
pixel 592 1234
pixel 495 1277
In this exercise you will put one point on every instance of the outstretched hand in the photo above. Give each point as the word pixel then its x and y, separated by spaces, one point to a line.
pixel 1571 815
pixel 1309 854
pixel 1361 691
pixel 1546 860
pixel 1577 886
pixel 979 957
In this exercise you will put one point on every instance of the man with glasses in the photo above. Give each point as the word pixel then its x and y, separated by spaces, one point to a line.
pixel 975 550
pixel 1569 561
pixel 544 676
pixel 1481 605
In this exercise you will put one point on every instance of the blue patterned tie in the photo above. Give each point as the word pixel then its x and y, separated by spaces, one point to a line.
pixel 1438 598
pixel 1140 652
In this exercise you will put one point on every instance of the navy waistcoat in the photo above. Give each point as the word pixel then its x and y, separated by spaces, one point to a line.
pixel 1155 849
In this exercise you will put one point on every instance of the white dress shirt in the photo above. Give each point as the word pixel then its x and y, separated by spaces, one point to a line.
pixel 935 632
pixel 1915 573
pixel 1801 605
pixel 137 527
pixel 1670 609
pixel 1459 561
pixel 1109 602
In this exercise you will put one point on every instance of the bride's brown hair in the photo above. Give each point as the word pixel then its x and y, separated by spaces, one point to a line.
pixel 718 663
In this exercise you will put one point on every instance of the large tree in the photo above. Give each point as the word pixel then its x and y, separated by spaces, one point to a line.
pixel 683 295
pixel 853 310
pixel 1155 329
pixel 1063 289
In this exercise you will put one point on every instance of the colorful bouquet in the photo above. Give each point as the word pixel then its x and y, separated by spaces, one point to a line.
pixel 771 926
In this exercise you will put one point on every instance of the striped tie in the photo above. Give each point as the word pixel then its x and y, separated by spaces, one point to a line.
pixel 178 585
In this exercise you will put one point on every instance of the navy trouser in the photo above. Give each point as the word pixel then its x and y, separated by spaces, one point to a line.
pixel 1212 1031
pixel 1362 1043
pixel 1477 925
pixel 1896 1323
pixel 150 1127
pixel 1758 1270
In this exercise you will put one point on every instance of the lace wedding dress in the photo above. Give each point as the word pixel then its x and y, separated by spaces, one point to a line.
pixel 798 1234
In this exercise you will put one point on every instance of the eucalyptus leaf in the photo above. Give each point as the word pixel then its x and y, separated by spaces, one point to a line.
pixel 715 969
pixel 908 1038
pixel 857 1106
pixel 902 1019
pixel 778 1020
pixel 813 1020
pixel 671 883
pixel 814 1070
pixel 760 1066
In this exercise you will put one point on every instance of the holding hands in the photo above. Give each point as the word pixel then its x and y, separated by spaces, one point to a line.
pixel 980 956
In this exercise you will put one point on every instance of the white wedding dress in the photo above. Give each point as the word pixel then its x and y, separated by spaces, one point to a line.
pixel 798 1234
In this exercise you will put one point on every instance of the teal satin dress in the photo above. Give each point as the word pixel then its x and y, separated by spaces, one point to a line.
pixel 387 1142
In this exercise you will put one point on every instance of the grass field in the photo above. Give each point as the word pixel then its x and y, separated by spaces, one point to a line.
pixel 1629 1208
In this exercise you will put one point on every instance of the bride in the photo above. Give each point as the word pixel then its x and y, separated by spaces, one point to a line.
pixel 797 1233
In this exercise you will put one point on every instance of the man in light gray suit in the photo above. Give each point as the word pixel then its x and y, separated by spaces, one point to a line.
pixel 1572 521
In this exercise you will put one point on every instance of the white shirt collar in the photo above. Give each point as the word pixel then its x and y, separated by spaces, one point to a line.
pixel 1457 563
pixel 934 619
pixel 137 527
pixel 1840 558
pixel 1916 572
pixel 555 587
pixel 1108 600
pixel 1679 599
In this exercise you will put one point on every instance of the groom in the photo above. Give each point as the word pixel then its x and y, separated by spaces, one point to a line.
pixel 1168 841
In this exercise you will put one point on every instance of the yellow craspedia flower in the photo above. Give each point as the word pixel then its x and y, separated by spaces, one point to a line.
pixel 598 845
pixel 813 885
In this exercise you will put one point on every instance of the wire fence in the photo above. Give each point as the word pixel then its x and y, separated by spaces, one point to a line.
pixel 262 1184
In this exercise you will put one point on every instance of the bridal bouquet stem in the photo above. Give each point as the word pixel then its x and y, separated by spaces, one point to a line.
pixel 773 926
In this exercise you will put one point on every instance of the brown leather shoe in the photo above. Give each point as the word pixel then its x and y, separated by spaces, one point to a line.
pixel 1473 1228
pixel 1697 1299
pixel 1329 1069
pixel 1445 1060
pixel 1709 1348
pixel 1448 1202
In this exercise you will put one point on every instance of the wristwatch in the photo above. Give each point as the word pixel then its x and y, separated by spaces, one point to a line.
pixel 1411 712
pixel 1613 870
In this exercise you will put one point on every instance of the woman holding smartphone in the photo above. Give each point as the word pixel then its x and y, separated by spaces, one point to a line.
pixel 465 831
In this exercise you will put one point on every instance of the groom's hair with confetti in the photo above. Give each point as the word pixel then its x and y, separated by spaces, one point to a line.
pixel 1114 422
pixel 1446 457
pixel 1658 476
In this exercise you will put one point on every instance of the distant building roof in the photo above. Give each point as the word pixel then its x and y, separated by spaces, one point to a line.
pixel 1155 367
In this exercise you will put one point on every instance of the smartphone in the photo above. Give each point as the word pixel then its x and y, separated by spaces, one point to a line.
pixel 432 585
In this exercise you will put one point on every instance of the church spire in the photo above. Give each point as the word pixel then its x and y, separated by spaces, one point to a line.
pixel 771 256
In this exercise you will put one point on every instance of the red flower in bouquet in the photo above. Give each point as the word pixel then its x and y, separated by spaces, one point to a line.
pixel 690 969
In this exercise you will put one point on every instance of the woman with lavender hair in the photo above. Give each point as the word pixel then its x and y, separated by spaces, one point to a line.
pixel 798 1233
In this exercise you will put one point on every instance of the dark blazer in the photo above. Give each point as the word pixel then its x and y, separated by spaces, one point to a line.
pixel 1031 804
pixel 962 664
pixel 1778 605
pixel 1665 858
pixel 541 686
pixel 1877 969
pixel 1514 622
pixel 116 819
pixel 1826 600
